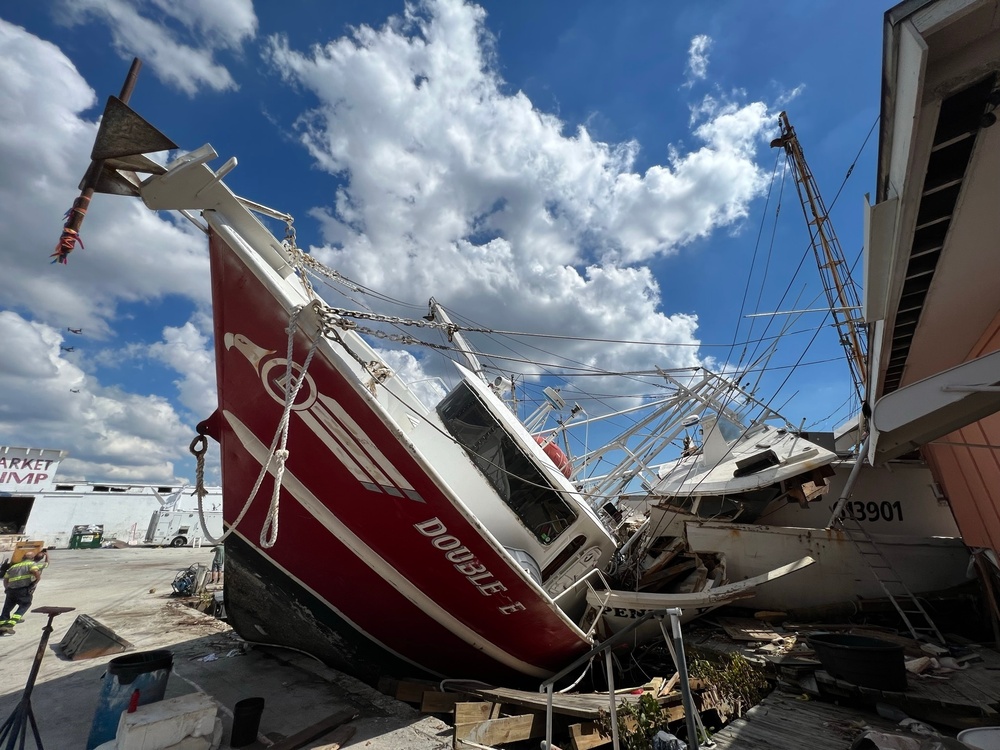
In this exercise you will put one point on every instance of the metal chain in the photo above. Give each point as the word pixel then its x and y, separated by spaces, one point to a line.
pixel 449 328
pixel 297 257
pixel 334 318
pixel 314 266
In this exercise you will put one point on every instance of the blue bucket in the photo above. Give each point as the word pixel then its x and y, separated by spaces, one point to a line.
pixel 145 671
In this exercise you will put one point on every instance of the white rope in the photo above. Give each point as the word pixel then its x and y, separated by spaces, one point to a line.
pixel 269 531
pixel 277 452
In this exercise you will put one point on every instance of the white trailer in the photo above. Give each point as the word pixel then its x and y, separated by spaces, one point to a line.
pixel 176 523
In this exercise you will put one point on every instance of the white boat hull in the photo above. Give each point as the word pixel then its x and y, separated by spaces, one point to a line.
pixel 898 499
pixel 840 574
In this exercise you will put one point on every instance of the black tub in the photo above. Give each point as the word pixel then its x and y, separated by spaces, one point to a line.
pixel 868 662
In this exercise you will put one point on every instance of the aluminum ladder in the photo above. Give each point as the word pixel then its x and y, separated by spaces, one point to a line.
pixel 918 622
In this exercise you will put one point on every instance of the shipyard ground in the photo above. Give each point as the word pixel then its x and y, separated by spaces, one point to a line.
pixel 129 591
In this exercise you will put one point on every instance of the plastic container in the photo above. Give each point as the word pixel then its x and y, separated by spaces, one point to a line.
pixel 982 738
pixel 868 662
pixel 87 638
pixel 145 671
pixel 246 721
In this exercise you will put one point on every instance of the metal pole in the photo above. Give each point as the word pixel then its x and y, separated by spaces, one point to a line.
pixel 686 697
pixel 620 637
pixel 548 715
pixel 16 726
pixel 611 698
pixel 838 509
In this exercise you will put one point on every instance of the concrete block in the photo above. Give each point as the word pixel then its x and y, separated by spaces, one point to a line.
pixel 163 724
pixel 192 743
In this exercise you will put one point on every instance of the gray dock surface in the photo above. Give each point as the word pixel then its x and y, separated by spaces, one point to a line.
pixel 128 590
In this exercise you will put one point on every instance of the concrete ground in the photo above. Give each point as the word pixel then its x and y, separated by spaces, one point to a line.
pixel 128 590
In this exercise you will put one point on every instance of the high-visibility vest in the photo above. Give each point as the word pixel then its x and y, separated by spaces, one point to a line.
pixel 18 575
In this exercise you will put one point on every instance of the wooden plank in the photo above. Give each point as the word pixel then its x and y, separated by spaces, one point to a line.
pixel 439 703
pixel 669 553
pixel 576 705
pixel 339 738
pixel 586 735
pixel 411 691
pixel 654 686
pixel 745 629
pixel 668 574
pixel 579 706
pixel 315 731
pixel 671 684
pixel 469 713
pixel 408 691
pixel 695 581
pixel 507 729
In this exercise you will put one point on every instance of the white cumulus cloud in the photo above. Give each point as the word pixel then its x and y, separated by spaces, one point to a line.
pixel 697 65
pixel 176 39
pixel 458 189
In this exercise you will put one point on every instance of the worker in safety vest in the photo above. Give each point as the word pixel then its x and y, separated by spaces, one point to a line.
pixel 19 584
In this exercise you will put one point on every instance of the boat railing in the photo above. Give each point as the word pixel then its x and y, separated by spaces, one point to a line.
pixel 585 580
pixel 675 644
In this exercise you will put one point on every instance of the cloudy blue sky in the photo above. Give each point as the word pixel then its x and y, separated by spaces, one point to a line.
pixel 590 169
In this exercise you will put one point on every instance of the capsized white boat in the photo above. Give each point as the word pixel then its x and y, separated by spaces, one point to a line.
pixel 739 494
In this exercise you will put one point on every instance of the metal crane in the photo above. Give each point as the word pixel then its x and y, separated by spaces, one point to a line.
pixel 841 291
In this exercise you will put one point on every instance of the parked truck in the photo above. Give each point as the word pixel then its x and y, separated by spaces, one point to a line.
pixel 176 523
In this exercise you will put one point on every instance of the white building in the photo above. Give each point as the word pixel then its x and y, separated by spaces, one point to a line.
pixel 34 506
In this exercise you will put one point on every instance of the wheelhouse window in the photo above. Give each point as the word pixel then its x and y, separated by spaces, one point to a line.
pixel 508 468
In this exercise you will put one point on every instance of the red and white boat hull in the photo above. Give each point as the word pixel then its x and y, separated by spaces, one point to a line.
pixel 364 527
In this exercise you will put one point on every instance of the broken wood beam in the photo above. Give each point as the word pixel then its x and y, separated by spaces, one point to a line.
pixel 434 702
pixel 587 735
pixel 407 691
pixel 506 729
pixel 315 731
pixel 339 738
pixel 470 713
pixel 667 574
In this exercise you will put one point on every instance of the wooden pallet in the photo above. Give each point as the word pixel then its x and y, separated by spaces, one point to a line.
pixel 484 717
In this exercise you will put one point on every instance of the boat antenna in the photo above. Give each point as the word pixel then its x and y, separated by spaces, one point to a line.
pixel 841 290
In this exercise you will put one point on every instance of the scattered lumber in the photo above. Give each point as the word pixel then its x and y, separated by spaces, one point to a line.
pixel 407 691
pixel 487 717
